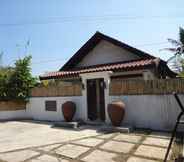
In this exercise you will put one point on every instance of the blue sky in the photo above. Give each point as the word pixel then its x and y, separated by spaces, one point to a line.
pixel 57 29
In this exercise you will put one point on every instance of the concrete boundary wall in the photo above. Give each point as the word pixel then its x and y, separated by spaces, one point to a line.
pixel 158 112
pixel 11 115
pixel 36 108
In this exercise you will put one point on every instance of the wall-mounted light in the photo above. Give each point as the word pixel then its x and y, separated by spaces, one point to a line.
pixel 83 86
pixel 103 85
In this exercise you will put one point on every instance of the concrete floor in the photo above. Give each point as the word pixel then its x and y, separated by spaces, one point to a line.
pixel 28 141
pixel 22 134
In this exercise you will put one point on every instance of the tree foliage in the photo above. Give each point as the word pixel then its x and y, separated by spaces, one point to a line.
pixel 177 60
pixel 178 45
pixel 5 75
pixel 182 71
pixel 16 82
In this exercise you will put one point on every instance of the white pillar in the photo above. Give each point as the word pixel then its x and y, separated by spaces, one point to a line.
pixel 84 100
pixel 107 99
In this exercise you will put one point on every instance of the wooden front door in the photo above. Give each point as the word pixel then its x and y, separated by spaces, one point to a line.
pixel 95 99
pixel 91 99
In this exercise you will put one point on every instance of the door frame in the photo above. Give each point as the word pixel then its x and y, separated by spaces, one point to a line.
pixel 106 76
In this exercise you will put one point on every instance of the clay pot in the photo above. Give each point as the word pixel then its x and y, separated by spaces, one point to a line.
pixel 68 109
pixel 116 111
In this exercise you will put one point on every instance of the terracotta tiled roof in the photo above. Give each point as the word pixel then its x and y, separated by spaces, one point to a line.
pixel 131 65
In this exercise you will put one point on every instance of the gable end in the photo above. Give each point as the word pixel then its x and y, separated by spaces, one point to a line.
pixel 92 42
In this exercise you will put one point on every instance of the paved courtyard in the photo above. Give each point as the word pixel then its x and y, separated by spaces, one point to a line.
pixel 39 142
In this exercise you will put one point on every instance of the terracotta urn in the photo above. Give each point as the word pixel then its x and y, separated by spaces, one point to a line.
pixel 68 109
pixel 116 111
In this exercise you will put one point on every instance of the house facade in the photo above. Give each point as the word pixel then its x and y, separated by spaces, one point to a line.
pixel 101 71
pixel 100 60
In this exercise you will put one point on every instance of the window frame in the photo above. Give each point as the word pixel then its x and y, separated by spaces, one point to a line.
pixel 51 105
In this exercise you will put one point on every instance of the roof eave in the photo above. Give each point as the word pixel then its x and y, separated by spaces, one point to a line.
pixel 163 67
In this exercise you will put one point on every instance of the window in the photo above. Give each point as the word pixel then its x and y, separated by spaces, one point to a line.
pixel 50 105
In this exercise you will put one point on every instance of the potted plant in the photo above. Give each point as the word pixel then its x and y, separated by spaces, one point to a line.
pixel 68 109
pixel 116 111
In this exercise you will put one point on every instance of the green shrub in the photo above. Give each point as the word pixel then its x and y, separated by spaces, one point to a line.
pixel 16 83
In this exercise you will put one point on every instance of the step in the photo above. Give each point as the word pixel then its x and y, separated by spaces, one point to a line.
pixel 64 124
pixel 94 123
pixel 121 129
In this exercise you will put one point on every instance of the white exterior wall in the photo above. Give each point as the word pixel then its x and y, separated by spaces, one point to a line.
pixel 158 112
pixel 106 52
pixel 36 108
pixel 9 115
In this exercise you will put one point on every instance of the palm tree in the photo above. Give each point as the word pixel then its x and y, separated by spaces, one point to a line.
pixel 178 51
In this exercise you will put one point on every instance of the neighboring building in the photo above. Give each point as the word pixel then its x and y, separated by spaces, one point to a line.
pixel 100 60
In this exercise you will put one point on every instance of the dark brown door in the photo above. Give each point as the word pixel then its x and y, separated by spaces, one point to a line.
pixel 91 99
pixel 102 99
pixel 96 103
